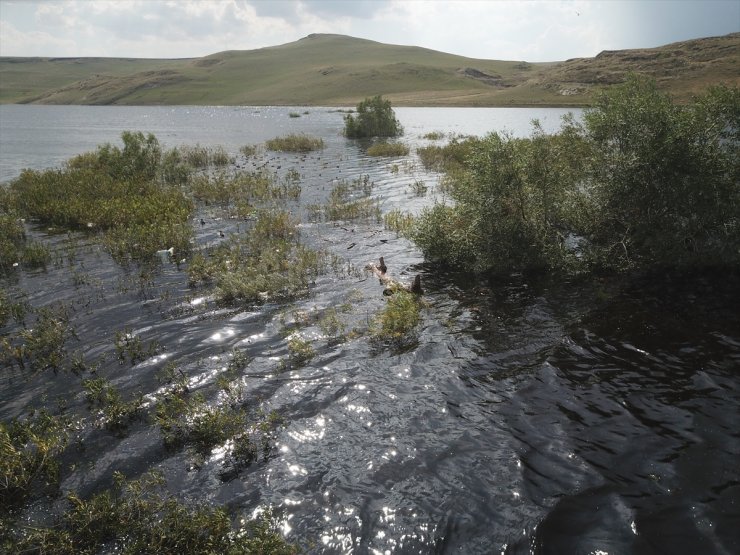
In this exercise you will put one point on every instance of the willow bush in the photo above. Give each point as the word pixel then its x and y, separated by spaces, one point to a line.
pixel 374 118
pixel 642 183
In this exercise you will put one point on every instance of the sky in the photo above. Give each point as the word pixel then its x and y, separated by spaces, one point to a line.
pixel 535 31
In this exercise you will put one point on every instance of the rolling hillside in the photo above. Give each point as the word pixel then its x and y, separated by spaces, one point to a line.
pixel 335 70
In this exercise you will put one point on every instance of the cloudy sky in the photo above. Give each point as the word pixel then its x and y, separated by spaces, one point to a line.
pixel 537 30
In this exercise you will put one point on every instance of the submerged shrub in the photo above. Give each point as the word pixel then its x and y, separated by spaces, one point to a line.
pixel 42 346
pixel 374 118
pixel 295 143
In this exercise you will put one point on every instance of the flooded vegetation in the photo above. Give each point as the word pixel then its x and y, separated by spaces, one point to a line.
pixel 223 361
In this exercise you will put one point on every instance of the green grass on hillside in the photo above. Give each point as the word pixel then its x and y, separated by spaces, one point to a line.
pixel 334 70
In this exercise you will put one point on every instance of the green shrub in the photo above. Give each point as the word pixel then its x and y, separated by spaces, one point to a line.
pixel 295 143
pixel 510 203
pixel 388 149
pixel 643 183
pixel 374 118
pixel 664 178
pixel 402 313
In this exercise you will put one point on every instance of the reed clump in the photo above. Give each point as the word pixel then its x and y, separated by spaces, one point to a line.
pixel 398 221
pixel 388 149
pixel 295 143
pixel 349 201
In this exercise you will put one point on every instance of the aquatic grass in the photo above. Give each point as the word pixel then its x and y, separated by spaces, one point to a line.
pixel 267 263
pixel 140 516
pixel 350 201
pixel 29 451
pixel 449 157
pixel 433 135
pixel 398 221
pixel 249 150
pixel 419 188
pixel 137 213
pixel 242 188
pixel 43 345
pixel 12 309
pixel 388 149
pixel 295 143
pixel 16 249
pixel 114 413
pixel 202 157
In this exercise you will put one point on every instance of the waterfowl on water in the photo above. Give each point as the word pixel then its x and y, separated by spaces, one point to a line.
pixel 382 267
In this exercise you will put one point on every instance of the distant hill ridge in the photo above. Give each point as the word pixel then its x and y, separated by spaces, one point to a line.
pixel 337 70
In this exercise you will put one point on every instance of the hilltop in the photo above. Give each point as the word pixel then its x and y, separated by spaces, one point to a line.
pixel 337 70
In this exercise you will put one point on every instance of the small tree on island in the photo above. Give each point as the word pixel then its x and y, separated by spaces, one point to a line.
pixel 375 118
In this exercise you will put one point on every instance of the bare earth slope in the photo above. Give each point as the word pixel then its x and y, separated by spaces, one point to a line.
pixel 339 70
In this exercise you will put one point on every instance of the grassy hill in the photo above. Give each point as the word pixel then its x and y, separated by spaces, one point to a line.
pixel 335 70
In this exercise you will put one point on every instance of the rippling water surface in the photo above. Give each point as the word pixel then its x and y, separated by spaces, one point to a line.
pixel 530 416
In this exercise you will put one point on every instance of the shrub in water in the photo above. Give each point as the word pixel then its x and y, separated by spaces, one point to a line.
pixel 643 183
pixel 374 118
pixel 400 316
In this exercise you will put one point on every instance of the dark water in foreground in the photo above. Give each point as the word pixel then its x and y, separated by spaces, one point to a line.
pixel 530 416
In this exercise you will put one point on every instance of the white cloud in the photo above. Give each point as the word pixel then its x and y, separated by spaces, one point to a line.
pixel 505 29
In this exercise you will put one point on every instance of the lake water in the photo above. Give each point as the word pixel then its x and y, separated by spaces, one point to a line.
pixel 43 136
pixel 532 415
